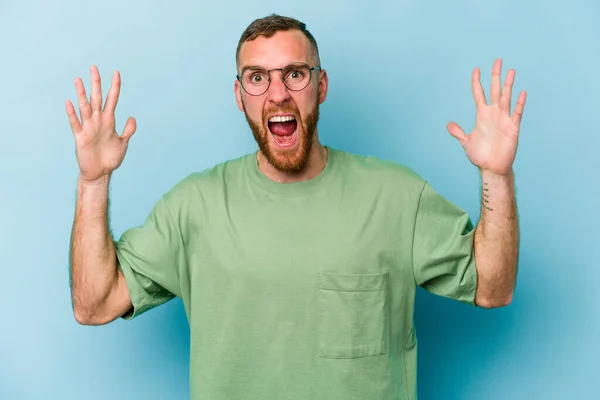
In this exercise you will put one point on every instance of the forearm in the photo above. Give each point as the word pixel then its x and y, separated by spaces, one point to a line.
pixel 496 241
pixel 93 258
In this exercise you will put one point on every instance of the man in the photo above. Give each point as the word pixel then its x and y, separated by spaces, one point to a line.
pixel 298 264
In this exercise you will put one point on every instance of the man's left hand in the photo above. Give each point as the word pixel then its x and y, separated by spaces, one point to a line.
pixel 492 145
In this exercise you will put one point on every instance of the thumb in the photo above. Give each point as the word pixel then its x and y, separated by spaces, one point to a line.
pixel 129 130
pixel 456 131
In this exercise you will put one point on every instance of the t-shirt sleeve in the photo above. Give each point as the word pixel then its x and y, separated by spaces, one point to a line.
pixel 151 258
pixel 443 252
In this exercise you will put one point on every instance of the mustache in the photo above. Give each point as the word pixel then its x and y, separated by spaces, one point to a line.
pixel 275 110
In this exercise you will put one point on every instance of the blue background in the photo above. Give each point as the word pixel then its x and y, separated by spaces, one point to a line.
pixel 399 71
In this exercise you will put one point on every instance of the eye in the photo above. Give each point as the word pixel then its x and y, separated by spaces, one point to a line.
pixel 295 75
pixel 256 78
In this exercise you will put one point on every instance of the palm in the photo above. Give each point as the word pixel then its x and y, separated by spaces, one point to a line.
pixel 492 145
pixel 100 150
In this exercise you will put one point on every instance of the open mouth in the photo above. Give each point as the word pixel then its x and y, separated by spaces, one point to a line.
pixel 283 128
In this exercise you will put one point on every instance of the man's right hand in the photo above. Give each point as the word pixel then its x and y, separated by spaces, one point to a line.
pixel 99 148
pixel 98 287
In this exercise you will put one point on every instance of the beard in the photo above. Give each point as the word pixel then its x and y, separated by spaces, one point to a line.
pixel 286 160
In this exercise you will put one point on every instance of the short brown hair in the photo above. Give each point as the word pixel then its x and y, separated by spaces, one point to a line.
pixel 269 25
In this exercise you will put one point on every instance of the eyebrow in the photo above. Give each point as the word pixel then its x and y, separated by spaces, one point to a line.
pixel 259 68
pixel 252 67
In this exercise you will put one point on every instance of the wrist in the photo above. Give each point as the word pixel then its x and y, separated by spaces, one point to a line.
pixel 489 176
pixel 94 190
pixel 102 181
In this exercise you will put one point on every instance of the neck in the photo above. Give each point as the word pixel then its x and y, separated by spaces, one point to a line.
pixel 317 160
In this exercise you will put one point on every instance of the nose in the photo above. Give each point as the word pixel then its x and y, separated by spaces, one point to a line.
pixel 278 93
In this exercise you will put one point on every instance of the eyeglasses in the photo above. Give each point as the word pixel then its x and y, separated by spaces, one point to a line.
pixel 256 81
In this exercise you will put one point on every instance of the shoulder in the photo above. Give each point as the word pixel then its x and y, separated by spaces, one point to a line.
pixel 209 180
pixel 371 170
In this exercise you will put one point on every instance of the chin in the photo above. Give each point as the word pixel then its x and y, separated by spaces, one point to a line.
pixel 290 160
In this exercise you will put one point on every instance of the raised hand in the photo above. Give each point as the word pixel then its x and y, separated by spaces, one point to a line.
pixel 99 148
pixel 492 145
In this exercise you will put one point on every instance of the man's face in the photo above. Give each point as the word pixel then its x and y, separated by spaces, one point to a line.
pixel 283 121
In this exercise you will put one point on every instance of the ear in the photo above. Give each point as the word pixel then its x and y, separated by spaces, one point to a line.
pixel 323 85
pixel 238 95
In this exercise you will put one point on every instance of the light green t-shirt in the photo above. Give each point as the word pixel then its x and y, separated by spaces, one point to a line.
pixel 300 290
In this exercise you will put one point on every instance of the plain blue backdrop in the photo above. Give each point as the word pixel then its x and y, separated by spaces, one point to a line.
pixel 399 71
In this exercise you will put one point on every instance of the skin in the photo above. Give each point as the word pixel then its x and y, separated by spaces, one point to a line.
pixel 99 291
pixel 492 147
pixel 279 50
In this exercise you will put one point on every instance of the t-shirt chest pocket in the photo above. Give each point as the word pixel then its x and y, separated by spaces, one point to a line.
pixel 352 315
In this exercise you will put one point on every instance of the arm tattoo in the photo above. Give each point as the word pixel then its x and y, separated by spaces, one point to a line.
pixel 486 197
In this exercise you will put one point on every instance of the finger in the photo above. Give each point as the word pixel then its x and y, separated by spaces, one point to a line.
pixel 73 120
pixel 455 130
pixel 507 91
pixel 129 130
pixel 478 93
pixel 85 110
pixel 96 97
pixel 518 113
pixel 113 94
pixel 495 90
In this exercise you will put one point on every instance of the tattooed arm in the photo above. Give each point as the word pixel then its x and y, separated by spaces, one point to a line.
pixel 492 147
pixel 496 241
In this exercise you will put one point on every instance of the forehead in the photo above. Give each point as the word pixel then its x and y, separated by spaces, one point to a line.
pixel 282 48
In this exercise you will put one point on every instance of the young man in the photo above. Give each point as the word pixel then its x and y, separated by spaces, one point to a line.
pixel 298 264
